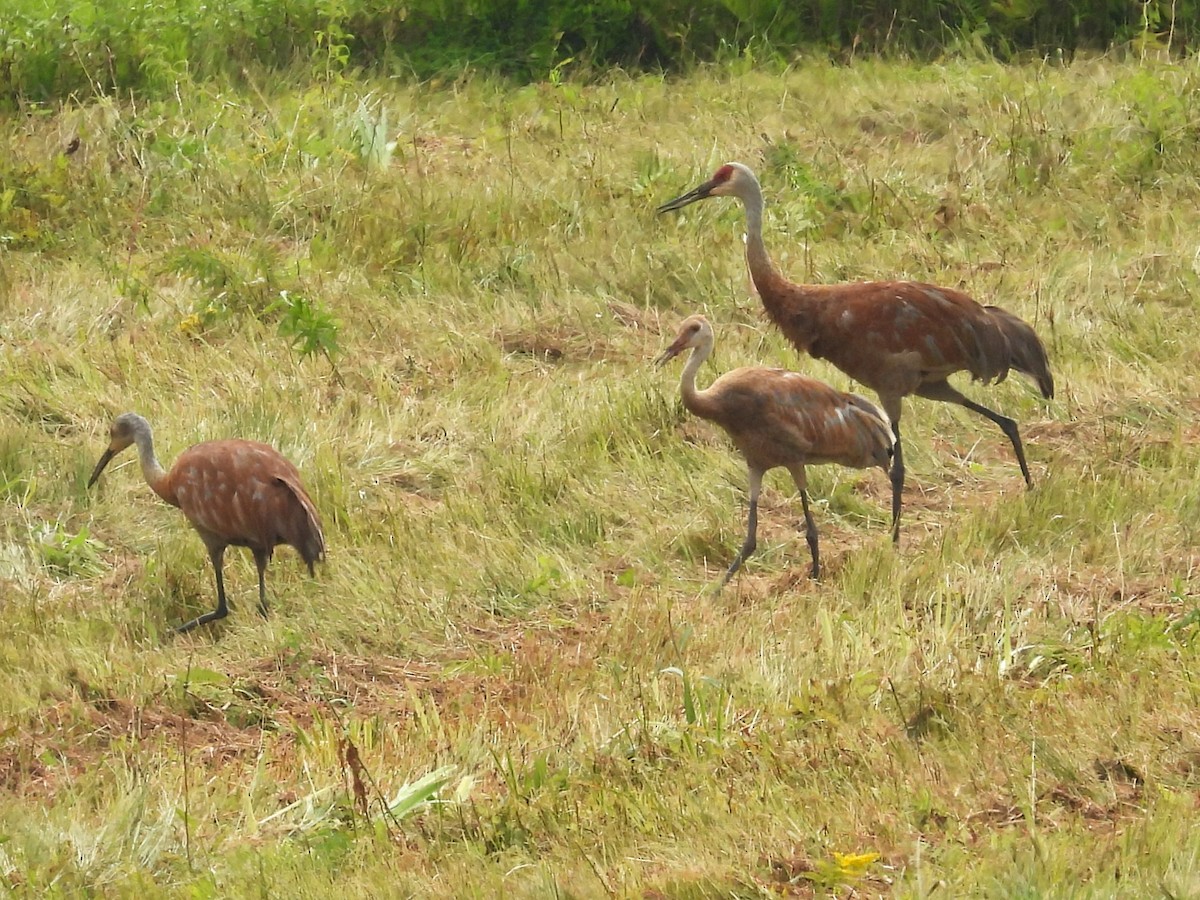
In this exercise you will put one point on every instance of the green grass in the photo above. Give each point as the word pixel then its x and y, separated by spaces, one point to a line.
pixel 452 338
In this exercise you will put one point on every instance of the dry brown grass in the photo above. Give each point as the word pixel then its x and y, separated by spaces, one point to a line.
pixel 524 525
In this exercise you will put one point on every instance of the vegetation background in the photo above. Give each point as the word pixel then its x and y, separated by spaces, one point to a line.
pixel 413 246
pixel 52 50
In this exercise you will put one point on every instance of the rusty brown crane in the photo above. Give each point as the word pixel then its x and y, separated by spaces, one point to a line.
pixel 895 337
pixel 780 418
pixel 235 493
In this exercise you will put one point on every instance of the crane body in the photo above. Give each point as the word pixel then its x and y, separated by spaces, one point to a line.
pixel 898 338
pixel 780 418
pixel 234 493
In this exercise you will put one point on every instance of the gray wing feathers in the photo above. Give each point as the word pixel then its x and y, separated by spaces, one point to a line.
pixel 306 534
pixel 1027 354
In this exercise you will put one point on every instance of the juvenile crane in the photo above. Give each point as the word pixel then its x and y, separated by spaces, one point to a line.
pixel 896 337
pixel 234 493
pixel 780 418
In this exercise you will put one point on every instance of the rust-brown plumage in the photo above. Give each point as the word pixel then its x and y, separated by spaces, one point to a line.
pixel 896 337
pixel 235 493
pixel 780 418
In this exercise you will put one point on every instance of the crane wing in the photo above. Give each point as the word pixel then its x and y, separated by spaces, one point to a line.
pixel 874 331
pixel 777 417
pixel 247 494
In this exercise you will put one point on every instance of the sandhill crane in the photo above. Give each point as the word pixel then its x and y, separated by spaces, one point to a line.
pixel 234 492
pixel 780 418
pixel 896 337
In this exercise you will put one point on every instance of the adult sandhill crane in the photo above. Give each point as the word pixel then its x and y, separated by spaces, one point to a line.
pixel 235 493
pixel 896 337
pixel 780 418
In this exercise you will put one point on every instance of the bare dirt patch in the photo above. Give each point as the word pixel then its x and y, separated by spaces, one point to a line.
pixel 214 724
pixel 270 698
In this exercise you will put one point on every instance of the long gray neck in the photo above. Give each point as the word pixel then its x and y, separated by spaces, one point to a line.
pixel 143 439
pixel 693 399
pixel 750 193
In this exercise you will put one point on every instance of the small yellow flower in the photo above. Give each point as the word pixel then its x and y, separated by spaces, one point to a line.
pixel 191 325
pixel 854 865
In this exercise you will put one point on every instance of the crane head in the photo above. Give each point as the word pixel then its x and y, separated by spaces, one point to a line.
pixel 694 331
pixel 726 181
pixel 123 432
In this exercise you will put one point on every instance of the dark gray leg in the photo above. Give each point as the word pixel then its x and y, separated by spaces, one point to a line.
pixel 261 558
pixel 897 482
pixel 217 555
pixel 891 406
pixel 1009 427
pixel 810 535
pixel 751 528
pixel 810 527
pixel 944 392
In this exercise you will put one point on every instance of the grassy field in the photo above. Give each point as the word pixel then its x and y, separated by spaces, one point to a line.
pixel 441 301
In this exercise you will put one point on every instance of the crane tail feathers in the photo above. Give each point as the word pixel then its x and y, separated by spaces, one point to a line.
pixel 305 530
pixel 1027 354
pixel 876 427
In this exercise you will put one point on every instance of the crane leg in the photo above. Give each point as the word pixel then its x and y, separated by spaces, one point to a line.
pixel 943 391
pixel 810 535
pixel 897 482
pixel 751 528
pixel 217 555
pixel 810 527
pixel 261 558
pixel 1009 427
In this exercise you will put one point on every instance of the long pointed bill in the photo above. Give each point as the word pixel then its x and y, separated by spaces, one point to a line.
pixel 670 353
pixel 698 193
pixel 108 455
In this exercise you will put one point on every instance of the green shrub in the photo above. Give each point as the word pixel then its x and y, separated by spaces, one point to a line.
pixel 109 46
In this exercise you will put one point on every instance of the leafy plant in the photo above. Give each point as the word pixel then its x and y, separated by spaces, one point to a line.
pixel 370 133
pixel 70 555
pixel 332 53
pixel 308 324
